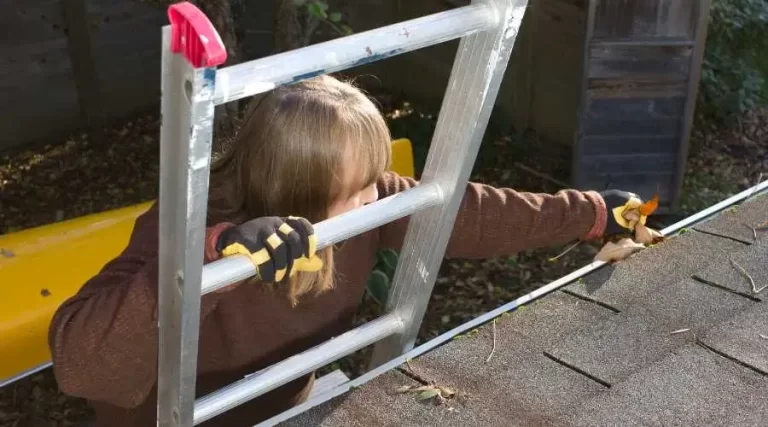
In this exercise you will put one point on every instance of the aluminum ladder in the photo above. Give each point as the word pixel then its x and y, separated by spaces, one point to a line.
pixel 192 86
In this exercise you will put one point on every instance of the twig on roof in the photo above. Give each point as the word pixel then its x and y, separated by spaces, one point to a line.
pixel 763 336
pixel 493 349
pixel 748 277
pixel 568 249
pixel 415 375
pixel 680 331
pixel 754 231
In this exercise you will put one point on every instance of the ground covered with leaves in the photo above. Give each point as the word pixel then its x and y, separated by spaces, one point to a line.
pixel 75 177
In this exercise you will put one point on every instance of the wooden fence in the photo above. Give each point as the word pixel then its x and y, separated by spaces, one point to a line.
pixel 70 64
pixel 67 63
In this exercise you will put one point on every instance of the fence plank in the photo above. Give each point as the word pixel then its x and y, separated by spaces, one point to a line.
pixel 86 78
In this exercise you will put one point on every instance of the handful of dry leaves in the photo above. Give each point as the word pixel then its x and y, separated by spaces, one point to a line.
pixel 641 235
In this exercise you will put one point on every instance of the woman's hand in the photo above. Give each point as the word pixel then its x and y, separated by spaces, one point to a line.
pixel 279 247
pixel 616 202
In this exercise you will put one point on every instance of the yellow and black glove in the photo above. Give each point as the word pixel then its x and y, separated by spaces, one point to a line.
pixel 279 247
pixel 617 203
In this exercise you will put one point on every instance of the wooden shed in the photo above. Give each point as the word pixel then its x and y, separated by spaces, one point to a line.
pixel 642 61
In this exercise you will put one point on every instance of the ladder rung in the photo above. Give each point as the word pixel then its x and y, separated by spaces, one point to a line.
pixel 294 367
pixel 226 271
pixel 261 75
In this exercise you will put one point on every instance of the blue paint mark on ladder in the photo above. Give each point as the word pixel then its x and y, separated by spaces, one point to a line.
pixel 378 57
pixel 362 61
pixel 209 76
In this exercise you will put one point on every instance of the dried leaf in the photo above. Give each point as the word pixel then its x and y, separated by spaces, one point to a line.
pixel 404 389
pixel 647 236
pixel 650 206
pixel 428 394
pixel 619 250
pixel 446 392
pixel 632 215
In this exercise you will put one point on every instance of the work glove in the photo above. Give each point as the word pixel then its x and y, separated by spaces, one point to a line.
pixel 279 247
pixel 617 203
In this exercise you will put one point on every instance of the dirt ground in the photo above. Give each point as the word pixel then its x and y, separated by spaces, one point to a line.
pixel 73 177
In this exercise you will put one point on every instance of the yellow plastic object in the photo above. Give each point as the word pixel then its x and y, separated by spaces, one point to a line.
pixel 402 158
pixel 42 267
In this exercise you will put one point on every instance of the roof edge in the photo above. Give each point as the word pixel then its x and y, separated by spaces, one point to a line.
pixel 697 218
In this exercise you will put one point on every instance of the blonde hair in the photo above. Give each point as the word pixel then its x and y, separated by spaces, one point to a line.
pixel 289 156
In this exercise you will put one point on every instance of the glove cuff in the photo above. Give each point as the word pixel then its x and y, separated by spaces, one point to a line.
pixel 601 216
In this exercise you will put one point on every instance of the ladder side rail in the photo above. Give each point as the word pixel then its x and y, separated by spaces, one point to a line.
pixel 189 90
pixel 474 83
pixel 285 371
pixel 190 53
pixel 232 269
pixel 261 75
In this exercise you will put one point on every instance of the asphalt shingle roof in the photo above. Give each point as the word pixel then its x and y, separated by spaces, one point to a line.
pixel 602 352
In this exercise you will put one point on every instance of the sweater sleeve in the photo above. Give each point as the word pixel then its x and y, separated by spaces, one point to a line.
pixel 495 222
pixel 111 324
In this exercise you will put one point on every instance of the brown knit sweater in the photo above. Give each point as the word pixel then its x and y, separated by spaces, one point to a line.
pixel 104 339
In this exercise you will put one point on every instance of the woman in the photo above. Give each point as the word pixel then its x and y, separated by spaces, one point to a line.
pixel 315 149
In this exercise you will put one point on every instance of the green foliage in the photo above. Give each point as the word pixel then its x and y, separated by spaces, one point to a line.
pixel 734 76
pixel 317 12
pixel 381 277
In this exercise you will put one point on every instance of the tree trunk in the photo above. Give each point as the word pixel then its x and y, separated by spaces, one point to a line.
pixel 287 26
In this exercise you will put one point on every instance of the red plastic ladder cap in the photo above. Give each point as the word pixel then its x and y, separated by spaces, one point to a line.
pixel 193 35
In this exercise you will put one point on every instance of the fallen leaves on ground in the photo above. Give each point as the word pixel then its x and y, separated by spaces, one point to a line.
pixel 74 178
pixel 724 160
pixel 36 401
